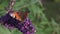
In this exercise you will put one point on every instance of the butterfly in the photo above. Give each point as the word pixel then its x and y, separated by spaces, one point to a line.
pixel 18 20
pixel 19 15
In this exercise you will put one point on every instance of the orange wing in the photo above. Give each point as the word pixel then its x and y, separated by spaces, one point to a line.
pixel 18 17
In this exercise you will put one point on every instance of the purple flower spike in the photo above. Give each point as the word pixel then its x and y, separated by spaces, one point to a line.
pixel 26 27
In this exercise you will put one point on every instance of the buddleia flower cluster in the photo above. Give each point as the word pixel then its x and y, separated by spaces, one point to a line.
pixel 26 27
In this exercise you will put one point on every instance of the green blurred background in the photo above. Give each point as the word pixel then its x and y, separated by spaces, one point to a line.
pixel 44 14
